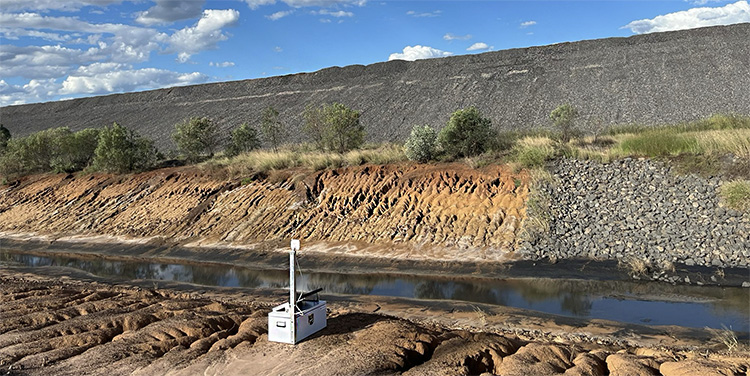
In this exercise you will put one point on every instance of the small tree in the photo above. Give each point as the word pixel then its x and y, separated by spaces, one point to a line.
pixel 273 130
pixel 467 133
pixel 4 138
pixel 123 150
pixel 421 144
pixel 563 117
pixel 334 127
pixel 196 137
pixel 244 139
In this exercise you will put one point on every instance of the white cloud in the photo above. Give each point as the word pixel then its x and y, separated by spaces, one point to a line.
pixel 43 61
pixel 696 17
pixel 225 64
pixel 418 52
pixel 278 49
pixel 168 11
pixel 279 15
pixel 450 36
pixel 34 91
pixel 479 46
pixel 127 80
pixel 62 5
pixel 254 4
pixel 703 2
pixel 206 33
pixel 325 20
pixel 340 13
pixel 425 14
pixel 527 23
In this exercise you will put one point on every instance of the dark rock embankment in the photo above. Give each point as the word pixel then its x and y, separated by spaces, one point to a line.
pixel 639 212
pixel 648 79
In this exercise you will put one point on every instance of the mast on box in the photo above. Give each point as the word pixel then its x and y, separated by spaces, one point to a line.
pixel 302 316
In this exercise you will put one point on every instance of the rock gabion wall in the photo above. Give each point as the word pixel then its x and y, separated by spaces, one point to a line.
pixel 639 209
pixel 647 79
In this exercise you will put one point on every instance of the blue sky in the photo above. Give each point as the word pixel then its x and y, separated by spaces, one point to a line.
pixel 61 49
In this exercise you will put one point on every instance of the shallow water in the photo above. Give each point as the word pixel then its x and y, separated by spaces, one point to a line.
pixel 633 302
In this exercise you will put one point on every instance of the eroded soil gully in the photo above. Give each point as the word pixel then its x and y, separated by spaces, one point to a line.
pixel 55 325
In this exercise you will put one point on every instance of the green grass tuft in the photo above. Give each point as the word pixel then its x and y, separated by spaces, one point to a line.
pixel 736 194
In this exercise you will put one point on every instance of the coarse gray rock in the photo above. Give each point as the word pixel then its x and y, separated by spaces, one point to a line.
pixel 653 216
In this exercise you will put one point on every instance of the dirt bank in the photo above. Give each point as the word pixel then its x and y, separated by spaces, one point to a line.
pixel 408 211
pixel 56 325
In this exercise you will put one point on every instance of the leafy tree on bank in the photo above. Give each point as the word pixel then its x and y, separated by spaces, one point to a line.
pixel 272 128
pixel 122 150
pixel 4 138
pixel 334 127
pixel 75 151
pixel 467 133
pixel 421 144
pixel 196 138
pixel 56 149
pixel 244 139
pixel 564 116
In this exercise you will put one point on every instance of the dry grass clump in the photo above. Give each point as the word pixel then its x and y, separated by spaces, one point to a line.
pixel 736 194
pixel 264 161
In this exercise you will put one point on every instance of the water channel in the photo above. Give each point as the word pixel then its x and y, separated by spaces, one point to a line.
pixel 633 302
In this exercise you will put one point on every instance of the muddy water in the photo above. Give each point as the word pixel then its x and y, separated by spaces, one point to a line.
pixel 634 302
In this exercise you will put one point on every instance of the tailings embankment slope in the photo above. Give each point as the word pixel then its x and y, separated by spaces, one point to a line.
pixel 447 212
pixel 649 79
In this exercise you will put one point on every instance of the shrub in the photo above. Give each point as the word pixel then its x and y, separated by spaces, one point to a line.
pixel 563 116
pixel 4 137
pixel 334 127
pixel 56 149
pixel 196 138
pixel 75 151
pixel 273 130
pixel 123 150
pixel 244 139
pixel 467 133
pixel 421 144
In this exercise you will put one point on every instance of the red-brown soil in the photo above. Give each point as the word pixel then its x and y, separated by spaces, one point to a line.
pixel 435 212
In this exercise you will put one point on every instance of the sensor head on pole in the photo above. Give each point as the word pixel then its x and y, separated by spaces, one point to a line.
pixel 295 245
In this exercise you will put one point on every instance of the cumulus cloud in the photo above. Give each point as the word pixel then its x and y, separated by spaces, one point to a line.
pixel 418 52
pixel 527 23
pixel 696 17
pixel 450 36
pixel 206 33
pixel 278 49
pixel 168 11
pixel 424 14
pixel 33 91
pixel 279 15
pixel 127 80
pixel 225 64
pixel 479 46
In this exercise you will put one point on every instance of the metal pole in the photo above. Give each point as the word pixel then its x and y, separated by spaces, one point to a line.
pixel 293 289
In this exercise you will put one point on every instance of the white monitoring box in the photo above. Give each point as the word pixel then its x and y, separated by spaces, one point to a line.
pixel 299 318
pixel 308 321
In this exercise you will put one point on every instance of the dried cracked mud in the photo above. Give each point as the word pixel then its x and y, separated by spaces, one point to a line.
pixel 63 326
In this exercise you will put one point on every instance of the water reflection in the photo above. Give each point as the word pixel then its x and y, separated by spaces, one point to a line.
pixel 613 300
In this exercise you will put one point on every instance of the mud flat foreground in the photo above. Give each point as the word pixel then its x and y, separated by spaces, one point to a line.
pixel 65 323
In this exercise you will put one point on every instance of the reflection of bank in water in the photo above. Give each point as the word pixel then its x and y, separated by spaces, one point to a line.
pixel 692 306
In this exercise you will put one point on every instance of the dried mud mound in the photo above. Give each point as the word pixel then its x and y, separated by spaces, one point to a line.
pixel 645 79
pixel 54 327
pixel 451 208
